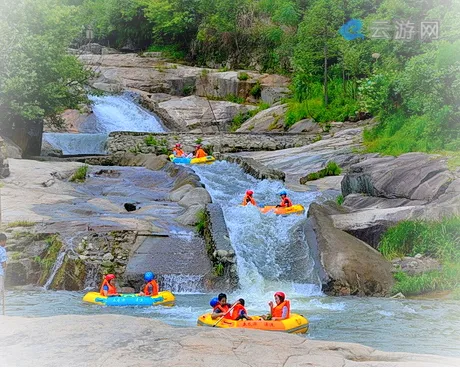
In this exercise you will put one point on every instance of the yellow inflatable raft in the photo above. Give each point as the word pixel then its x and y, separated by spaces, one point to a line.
pixel 297 209
pixel 296 323
pixel 163 298
pixel 192 161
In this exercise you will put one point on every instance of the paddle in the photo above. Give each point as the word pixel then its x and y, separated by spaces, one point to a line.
pixel 221 318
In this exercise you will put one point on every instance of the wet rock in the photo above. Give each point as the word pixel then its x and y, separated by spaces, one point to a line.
pixel 108 257
pixel 195 197
pixel 398 296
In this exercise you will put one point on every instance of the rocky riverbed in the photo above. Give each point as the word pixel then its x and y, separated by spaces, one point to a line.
pixel 113 340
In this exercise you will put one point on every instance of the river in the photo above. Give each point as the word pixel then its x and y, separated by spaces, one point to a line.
pixel 271 256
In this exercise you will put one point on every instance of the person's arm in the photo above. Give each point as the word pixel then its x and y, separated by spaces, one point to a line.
pixel 217 313
pixel 105 290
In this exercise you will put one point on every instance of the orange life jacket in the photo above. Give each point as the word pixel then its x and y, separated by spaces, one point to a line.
pixel 154 285
pixel 200 153
pixel 223 309
pixel 286 202
pixel 277 310
pixel 248 199
pixel 178 152
pixel 237 311
pixel 112 289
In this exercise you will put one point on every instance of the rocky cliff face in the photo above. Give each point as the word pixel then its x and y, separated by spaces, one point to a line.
pixel 381 191
pixel 4 168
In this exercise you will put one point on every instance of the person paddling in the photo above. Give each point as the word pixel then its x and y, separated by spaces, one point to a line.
pixel 285 201
pixel 239 311
pixel 281 310
pixel 108 286
pixel 222 308
pixel 150 288
pixel 248 198
pixel 199 152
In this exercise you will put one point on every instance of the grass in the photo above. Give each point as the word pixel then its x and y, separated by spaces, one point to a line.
pixel 219 269
pixel 340 199
pixel 47 260
pixel 201 224
pixel 242 76
pixel 436 239
pixel 256 90
pixel 80 174
pixel 331 169
pixel 198 140
pixel 20 223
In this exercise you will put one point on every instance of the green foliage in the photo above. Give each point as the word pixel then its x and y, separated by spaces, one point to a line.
pixel 202 222
pixel 198 140
pixel 331 169
pixel 80 174
pixel 150 140
pixel 240 118
pixel 47 259
pixel 219 269
pixel 340 199
pixel 235 99
pixel 242 76
pixel 256 90
pixel 446 279
pixel 170 52
pixel 39 79
pixel 439 239
pixel 20 223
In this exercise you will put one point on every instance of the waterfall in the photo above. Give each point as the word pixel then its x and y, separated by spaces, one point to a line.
pixel 57 265
pixel 112 113
pixel 271 250
pixel 177 283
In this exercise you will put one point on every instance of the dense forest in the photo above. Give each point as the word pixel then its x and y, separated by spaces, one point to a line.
pixel 396 60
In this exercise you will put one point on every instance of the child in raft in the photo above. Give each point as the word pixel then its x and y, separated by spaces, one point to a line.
pixel 150 287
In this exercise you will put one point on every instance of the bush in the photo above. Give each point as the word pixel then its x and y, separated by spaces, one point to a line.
pixel 242 76
pixel 235 99
pixel 331 169
pixel 150 140
pixel 340 199
pixel 201 224
pixel 80 174
pixel 256 90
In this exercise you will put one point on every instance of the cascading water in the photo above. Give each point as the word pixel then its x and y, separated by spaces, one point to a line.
pixel 112 113
pixel 57 265
pixel 271 251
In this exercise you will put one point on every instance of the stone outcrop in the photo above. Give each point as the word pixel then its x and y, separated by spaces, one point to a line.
pixel 379 192
pixel 255 169
pixel 351 266
pixel 199 115
pixel 136 341
pixel 219 248
pixel 74 121
pixel 269 120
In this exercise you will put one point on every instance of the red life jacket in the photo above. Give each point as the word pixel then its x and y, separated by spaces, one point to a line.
pixel 277 310
pixel 286 202
pixel 248 199
pixel 154 285
pixel 112 289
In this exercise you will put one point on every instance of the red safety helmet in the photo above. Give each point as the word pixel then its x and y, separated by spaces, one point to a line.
pixel 198 146
pixel 249 192
pixel 281 295
pixel 110 276
pixel 178 145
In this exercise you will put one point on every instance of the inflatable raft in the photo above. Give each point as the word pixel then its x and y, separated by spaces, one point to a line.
pixel 163 298
pixel 192 161
pixel 296 323
pixel 297 209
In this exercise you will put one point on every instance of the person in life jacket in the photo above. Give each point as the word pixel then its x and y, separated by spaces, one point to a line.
pixel 222 308
pixel 285 201
pixel 199 152
pixel 108 286
pixel 239 311
pixel 177 151
pixel 248 198
pixel 150 288
pixel 281 310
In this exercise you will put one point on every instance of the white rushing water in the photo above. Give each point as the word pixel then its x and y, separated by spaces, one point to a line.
pixel 112 113
pixel 271 253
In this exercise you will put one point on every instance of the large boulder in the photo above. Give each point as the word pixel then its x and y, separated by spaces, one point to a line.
pixel 269 120
pixel 351 267
pixel 195 112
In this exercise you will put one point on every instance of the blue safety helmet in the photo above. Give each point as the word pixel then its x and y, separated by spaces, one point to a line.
pixel 149 276
pixel 283 192
pixel 214 302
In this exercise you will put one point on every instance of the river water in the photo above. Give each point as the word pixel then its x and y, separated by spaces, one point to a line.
pixel 272 255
